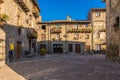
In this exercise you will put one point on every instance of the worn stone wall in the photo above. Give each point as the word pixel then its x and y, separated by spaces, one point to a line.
pixel 113 36
pixel 98 18
pixel 18 18
pixel 82 37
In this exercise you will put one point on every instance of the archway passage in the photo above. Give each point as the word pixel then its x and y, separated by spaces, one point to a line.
pixel 2 45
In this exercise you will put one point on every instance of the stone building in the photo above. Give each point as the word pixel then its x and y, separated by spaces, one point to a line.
pixel 73 36
pixel 18 26
pixel 63 36
pixel 113 28
pixel 98 20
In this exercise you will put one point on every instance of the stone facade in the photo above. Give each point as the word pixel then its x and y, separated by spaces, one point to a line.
pixel 69 31
pixel 18 22
pixel 65 32
pixel 98 22
pixel 113 28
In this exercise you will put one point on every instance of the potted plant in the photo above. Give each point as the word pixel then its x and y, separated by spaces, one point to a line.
pixel 42 51
pixel 5 17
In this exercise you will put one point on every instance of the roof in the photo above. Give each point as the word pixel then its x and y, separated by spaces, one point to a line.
pixel 67 22
pixel 35 3
pixel 103 0
pixel 98 9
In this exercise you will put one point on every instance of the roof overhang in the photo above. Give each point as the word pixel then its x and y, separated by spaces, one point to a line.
pixel 36 4
pixel 67 22
pixel 22 5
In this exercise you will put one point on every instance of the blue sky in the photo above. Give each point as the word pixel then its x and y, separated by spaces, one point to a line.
pixel 59 9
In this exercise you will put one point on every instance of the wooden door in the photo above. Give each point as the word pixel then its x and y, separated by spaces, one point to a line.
pixel 19 46
pixel 77 48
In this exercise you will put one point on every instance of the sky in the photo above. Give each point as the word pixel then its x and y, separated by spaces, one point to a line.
pixel 60 9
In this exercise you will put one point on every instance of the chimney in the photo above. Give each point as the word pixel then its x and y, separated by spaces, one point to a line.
pixel 68 18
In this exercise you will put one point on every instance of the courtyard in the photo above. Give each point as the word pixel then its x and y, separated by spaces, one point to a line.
pixel 67 67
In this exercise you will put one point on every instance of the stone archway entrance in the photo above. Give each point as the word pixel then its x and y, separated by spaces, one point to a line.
pixel 2 45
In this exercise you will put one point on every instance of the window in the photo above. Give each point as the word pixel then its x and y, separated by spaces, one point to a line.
pixel 97 14
pixel 98 35
pixel 86 25
pixel 87 37
pixel 116 24
pixel 58 36
pixel 76 26
pixel 43 37
pixel 43 27
pixel 70 48
pixel 76 36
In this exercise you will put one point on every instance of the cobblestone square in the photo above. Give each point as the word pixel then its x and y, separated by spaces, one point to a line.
pixel 67 67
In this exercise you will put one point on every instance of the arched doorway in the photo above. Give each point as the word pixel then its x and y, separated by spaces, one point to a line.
pixel 2 45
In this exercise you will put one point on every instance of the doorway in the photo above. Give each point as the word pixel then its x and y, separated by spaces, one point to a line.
pixel 57 48
pixel 77 48
pixel 19 47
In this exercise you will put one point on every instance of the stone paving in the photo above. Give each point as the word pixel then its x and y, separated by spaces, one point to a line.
pixel 67 67
pixel 6 73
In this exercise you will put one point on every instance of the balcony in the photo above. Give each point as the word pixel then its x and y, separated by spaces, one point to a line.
pixel 102 29
pixel 100 41
pixel 31 34
pixel 1 1
pixel 79 31
pixel 55 31
pixel 22 4
pixel 35 12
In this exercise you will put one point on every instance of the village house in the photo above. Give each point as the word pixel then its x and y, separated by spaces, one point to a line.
pixel 74 36
pixel 18 26
pixel 113 29
pixel 98 22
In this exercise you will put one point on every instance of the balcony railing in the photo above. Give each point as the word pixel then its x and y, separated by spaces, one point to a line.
pixel 100 41
pixel 35 11
pixel 79 31
pixel 32 34
pixel 102 29
pixel 22 4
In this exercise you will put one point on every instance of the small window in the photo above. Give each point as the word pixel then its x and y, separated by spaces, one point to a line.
pixel 76 36
pixel 58 36
pixel 86 25
pixel 87 37
pixel 43 37
pixel 43 27
pixel 97 14
pixel 116 24
pixel 75 26
pixel 98 35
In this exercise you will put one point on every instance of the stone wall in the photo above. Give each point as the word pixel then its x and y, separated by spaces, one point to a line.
pixel 113 36
pixel 18 18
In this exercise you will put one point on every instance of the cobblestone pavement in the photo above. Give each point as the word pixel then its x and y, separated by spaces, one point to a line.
pixel 68 67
